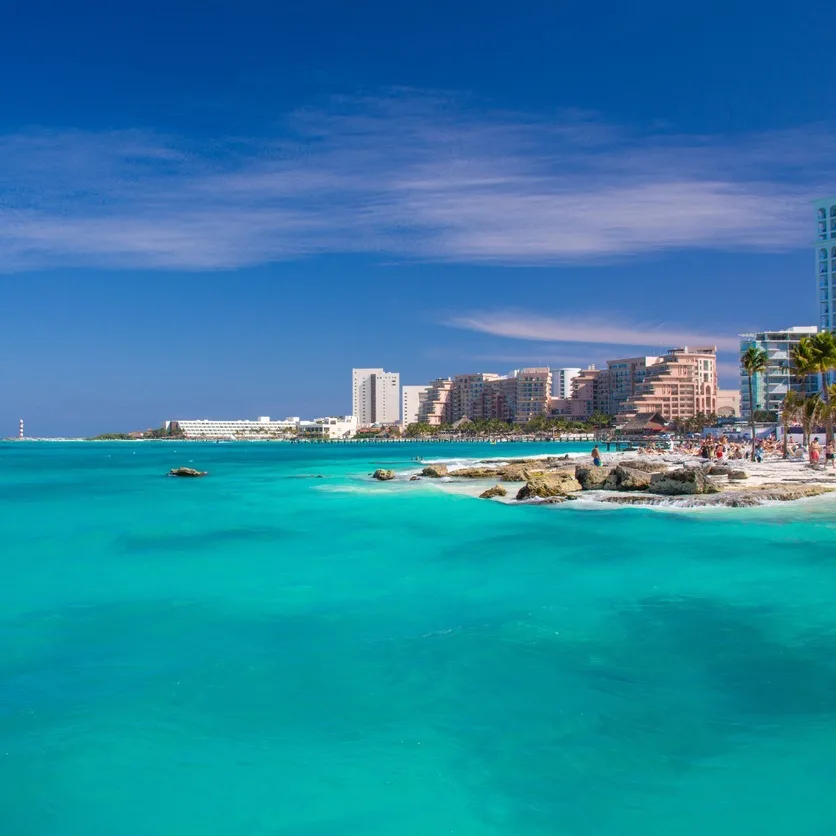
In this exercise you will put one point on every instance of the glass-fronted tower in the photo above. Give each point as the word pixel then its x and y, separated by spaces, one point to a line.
pixel 826 261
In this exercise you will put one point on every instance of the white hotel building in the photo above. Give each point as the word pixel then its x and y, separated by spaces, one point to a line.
pixel 259 428
pixel 375 396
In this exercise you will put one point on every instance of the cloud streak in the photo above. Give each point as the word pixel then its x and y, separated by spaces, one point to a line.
pixel 527 326
pixel 408 174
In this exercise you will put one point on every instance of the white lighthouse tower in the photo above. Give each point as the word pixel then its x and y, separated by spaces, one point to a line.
pixel 20 435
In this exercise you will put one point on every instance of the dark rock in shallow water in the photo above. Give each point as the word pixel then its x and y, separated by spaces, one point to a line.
pixel 383 475
pixel 435 471
pixel 186 471
pixel 414 478
pixel 490 493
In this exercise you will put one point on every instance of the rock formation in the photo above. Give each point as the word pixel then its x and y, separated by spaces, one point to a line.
pixel 686 480
pixel 490 493
pixel 383 475
pixel 474 473
pixel 186 471
pixel 556 483
pixel 592 478
pixel 435 471
pixel 627 479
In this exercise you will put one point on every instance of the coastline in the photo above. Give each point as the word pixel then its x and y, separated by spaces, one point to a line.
pixel 755 485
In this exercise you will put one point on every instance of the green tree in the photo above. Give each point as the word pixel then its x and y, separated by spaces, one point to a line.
pixel 810 416
pixel 816 354
pixel 754 361
pixel 791 409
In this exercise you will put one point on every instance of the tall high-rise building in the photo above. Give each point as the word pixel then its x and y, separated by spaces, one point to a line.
pixel 826 261
pixel 562 382
pixel 534 388
pixel 468 395
pixel 375 396
pixel 770 387
pixel 412 397
pixel 624 378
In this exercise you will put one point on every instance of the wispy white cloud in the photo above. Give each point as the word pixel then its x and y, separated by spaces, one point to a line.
pixel 410 174
pixel 522 325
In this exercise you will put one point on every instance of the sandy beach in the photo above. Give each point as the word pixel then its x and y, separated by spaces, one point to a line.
pixel 773 480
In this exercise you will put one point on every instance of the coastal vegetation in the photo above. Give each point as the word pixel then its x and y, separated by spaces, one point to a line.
pixel 816 354
pixel 496 427
pixel 754 361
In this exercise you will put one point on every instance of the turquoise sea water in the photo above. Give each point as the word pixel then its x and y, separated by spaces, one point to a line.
pixel 265 652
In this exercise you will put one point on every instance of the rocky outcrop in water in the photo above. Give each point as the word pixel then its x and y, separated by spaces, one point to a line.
pixel 555 483
pixel 189 472
pixel 474 473
pixel 496 490
pixel 383 475
pixel 646 466
pixel 515 472
pixel 627 479
pixel 592 478
pixel 435 471
pixel 726 499
pixel 686 480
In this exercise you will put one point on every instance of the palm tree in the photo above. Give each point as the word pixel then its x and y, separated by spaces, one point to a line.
pixel 790 411
pixel 754 361
pixel 811 411
pixel 816 354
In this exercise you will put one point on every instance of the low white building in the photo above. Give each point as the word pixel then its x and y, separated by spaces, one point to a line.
pixel 333 427
pixel 261 427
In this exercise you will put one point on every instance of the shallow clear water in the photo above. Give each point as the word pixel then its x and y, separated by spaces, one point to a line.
pixel 264 652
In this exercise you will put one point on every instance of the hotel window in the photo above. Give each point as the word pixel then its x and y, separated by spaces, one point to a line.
pixel 822 213
pixel 833 211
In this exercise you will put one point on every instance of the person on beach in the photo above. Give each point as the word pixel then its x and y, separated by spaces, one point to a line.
pixel 815 452
pixel 596 456
pixel 830 455
pixel 759 452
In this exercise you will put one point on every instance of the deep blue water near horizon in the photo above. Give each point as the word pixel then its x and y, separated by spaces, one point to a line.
pixel 267 652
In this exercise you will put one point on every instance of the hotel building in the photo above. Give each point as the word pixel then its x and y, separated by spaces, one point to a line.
pixel 375 396
pixel 826 261
pixel 562 382
pixel 770 387
pixel 334 427
pixel 259 428
pixel 534 387
pixel 680 384
pixel 588 394
pixel 436 407
pixel 623 379
pixel 411 399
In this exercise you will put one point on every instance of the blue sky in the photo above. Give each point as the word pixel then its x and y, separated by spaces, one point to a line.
pixel 217 209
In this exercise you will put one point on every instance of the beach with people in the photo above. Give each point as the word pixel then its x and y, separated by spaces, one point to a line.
pixel 708 472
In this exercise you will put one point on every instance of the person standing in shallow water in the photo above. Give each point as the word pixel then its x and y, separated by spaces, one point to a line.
pixel 596 456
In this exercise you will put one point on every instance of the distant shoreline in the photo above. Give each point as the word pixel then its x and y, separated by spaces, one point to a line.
pixel 476 440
